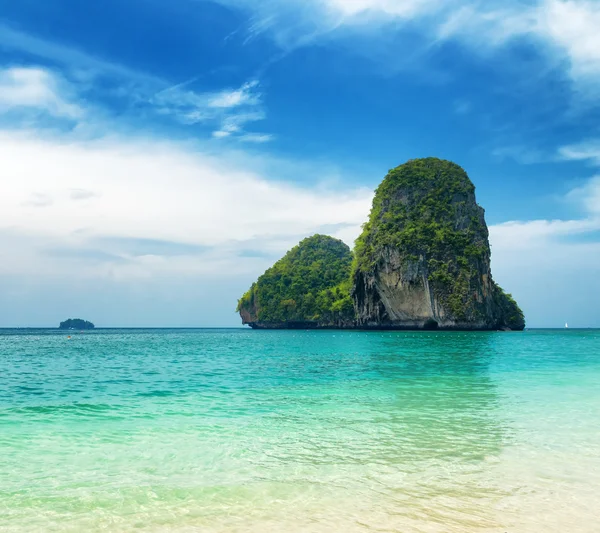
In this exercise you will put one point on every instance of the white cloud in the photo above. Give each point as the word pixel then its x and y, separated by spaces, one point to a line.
pixel 126 227
pixel 256 137
pixel 219 134
pixel 588 195
pixel 162 195
pixel 535 233
pixel 245 95
pixel 229 129
pixel 36 88
pixel 529 235
pixel 572 26
pixel 40 88
pixel 195 106
pixel 554 280
pixel 586 150
pixel 521 153
pixel 553 266
pixel 565 30
pixel 231 109
pixel 393 8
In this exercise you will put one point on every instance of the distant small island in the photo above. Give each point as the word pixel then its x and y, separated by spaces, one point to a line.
pixel 76 323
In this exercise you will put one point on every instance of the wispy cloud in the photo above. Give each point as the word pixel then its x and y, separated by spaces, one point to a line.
pixel 565 31
pixel 524 235
pixel 522 154
pixel 192 105
pixel 588 150
pixel 220 134
pixel 227 110
pixel 394 8
pixel 587 194
pixel 256 137
pixel 245 95
pixel 230 109
pixel 38 89
pixel 66 56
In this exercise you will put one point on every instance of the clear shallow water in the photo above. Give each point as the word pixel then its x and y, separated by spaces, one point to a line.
pixel 237 430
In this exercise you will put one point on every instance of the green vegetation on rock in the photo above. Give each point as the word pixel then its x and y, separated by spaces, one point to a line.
pixel 422 261
pixel 512 316
pixel 420 208
pixel 76 323
pixel 311 283
pixel 425 211
pixel 416 208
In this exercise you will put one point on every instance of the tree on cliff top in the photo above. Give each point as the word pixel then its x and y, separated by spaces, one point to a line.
pixel 310 283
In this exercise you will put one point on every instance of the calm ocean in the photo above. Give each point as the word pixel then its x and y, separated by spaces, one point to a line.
pixel 258 431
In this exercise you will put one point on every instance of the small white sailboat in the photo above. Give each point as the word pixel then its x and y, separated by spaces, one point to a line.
pixel 566 326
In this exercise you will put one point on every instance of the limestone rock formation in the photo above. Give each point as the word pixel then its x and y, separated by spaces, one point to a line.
pixel 422 262
pixel 423 259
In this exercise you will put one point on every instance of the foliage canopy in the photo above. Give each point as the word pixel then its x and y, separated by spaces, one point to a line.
pixel 310 283
pixel 76 323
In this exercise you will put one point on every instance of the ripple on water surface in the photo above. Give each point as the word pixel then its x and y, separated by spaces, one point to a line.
pixel 236 430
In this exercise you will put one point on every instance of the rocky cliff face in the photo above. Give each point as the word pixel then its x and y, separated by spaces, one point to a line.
pixel 423 260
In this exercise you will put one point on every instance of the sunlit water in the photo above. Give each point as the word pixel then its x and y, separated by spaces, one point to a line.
pixel 238 430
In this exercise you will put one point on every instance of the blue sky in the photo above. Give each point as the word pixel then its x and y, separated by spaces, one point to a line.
pixel 158 156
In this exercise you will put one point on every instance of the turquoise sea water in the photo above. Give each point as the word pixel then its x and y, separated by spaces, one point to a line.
pixel 238 430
